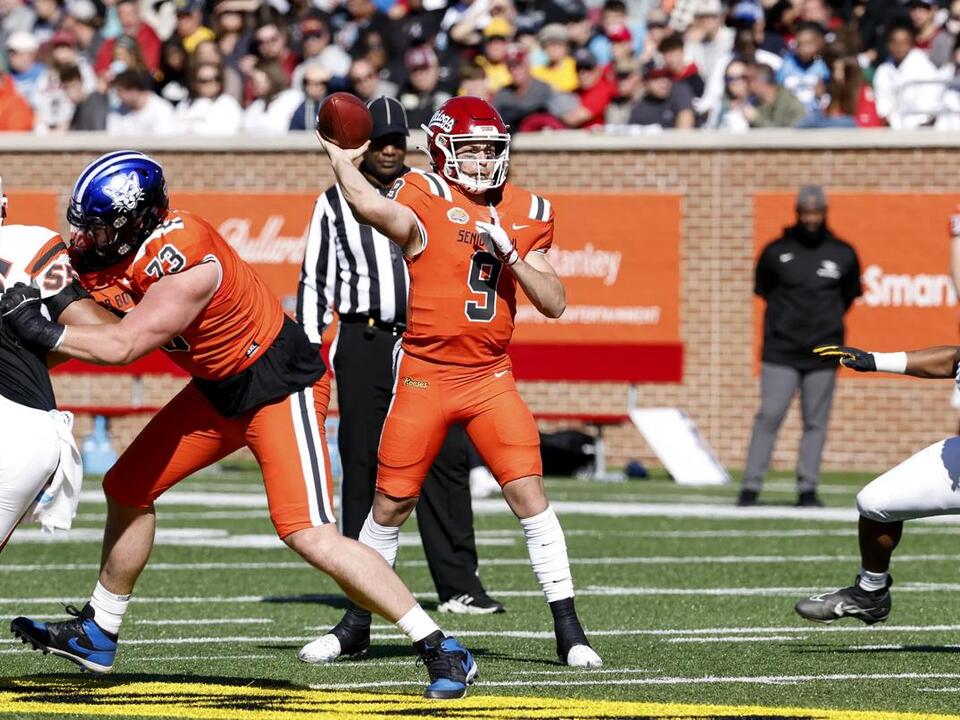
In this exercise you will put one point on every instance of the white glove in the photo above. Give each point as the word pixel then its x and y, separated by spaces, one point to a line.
pixel 955 225
pixel 497 240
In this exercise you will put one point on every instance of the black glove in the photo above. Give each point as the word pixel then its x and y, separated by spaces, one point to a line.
pixel 20 308
pixel 851 357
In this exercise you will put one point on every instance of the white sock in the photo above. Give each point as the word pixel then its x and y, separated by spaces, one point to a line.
pixel 108 608
pixel 416 624
pixel 382 538
pixel 872 581
pixel 548 555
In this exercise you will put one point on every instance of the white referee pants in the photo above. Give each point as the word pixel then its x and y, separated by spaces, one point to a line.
pixel 29 455
pixel 925 484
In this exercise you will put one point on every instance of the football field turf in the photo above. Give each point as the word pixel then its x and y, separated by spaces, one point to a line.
pixel 688 600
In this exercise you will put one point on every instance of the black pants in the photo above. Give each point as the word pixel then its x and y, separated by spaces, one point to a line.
pixel 363 366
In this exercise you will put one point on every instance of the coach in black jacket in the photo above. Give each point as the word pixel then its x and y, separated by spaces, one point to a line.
pixel 809 279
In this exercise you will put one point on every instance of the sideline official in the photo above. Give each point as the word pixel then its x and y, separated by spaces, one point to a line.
pixel 809 279
pixel 354 271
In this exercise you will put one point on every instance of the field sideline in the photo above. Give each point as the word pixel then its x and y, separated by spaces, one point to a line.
pixel 688 600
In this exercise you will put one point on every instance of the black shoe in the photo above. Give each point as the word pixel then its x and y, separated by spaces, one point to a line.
pixel 747 498
pixel 79 640
pixel 869 606
pixel 450 665
pixel 573 648
pixel 472 604
pixel 808 499
pixel 349 638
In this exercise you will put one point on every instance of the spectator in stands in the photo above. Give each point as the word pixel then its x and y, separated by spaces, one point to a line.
pixel 270 40
pixel 818 12
pixel 468 20
pixel 851 99
pixel 274 104
pixel 190 27
pixel 595 93
pixel 629 91
pixel 208 53
pixel 15 16
pixel 525 96
pixel 496 40
pixel 730 113
pixel 82 20
pixel 364 17
pixel 657 31
pixel 172 83
pixel 708 41
pixel 54 109
pixel 209 110
pixel 316 84
pixel 941 48
pixel 473 81
pixel 750 15
pixel 419 23
pixel 373 48
pixel 15 112
pixel 234 37
pixel 319 50
pixel 777 106
pixel 664 103
pixel 804 72
pixel 905 84
pixel 64 51
pixel 126 55
pixel 580 30
pixel 923 15
pixel 366 84
pixel 141 111
pixel 560 69
pixel 615 23
pixel 681 71
pixel 421 97
pixel 949 111
pixel 24 67
pixel 90 108
pixel 132 26
pixel 49 18
pixel 621 43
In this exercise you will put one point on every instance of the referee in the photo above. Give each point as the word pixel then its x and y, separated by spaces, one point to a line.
pixel 354 271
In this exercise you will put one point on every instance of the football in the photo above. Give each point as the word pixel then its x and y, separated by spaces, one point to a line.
pixel 345 120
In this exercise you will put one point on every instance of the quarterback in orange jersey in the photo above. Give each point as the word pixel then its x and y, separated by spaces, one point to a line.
pixel 257 382
pixel 470 240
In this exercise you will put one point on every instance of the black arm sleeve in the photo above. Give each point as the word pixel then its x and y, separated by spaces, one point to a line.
pixel 56 304
pixel 852 288
pixel 764 278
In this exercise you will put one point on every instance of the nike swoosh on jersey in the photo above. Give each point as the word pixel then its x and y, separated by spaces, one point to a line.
pixel 519 227
pixel 501 373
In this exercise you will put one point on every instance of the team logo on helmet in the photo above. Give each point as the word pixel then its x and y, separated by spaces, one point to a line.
pixel 442 121
pixel 124 191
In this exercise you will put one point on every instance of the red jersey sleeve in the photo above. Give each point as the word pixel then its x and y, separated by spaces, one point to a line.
pixel 182 241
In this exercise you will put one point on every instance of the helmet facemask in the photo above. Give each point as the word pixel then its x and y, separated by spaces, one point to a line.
pixel 469 170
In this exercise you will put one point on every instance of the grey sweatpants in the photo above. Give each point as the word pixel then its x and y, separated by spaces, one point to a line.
pixel 778 385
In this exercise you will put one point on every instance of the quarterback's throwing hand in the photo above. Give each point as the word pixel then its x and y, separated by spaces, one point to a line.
pixel 335 152
pixel 497 240
pixel 851 357
pixel 20 308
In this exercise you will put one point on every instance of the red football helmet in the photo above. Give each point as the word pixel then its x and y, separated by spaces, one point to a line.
pixel 464 121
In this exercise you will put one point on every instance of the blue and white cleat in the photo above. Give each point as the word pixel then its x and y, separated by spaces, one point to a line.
pixel 450 664
pixel 79 640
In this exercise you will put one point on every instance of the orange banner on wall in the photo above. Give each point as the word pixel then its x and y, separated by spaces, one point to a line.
pixel 33 207
pixel 904 247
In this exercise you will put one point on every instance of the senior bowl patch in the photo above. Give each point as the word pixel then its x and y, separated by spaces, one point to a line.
pixel 458 215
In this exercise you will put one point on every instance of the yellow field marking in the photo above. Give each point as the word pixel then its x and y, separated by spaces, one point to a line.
pixel 201 701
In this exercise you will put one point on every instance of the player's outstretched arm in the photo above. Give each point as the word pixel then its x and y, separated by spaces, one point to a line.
pixel 933 362
pixel 395 221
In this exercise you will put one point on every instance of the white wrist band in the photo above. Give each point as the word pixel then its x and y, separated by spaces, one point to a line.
pixel 63 336
pixel 895 362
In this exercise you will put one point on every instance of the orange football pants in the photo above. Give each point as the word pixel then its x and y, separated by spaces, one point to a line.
pixel 429 397
pixel 287 438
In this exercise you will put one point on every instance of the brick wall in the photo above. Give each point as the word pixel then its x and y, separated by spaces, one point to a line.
pixel 874 424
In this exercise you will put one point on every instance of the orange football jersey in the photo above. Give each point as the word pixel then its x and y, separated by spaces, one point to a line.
pixel 462 300
pixel 242 318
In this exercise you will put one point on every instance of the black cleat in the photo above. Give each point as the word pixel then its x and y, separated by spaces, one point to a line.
pixel 472 604
pixel 808 499
pixel 349 638
pixel 870 607
pixel 747 498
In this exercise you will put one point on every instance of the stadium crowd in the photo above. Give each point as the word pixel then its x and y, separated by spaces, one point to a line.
pixel 264 66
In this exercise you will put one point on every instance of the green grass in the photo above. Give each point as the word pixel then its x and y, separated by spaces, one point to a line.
pixel 296 606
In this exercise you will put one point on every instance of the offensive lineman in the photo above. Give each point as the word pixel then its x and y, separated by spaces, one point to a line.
pixel 257 382
pixel 923 485
pixel 470 239
pixel 33 434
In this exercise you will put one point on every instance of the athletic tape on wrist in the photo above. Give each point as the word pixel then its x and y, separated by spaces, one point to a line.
pixel 895 362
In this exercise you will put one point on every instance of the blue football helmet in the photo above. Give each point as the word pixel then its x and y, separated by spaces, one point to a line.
pixel 118 200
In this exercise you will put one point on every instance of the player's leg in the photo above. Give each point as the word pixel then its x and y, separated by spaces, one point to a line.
pixel 922 486
pixel 505 434
pixel 186 435
pixel 29 454
pixel 289 442
pixel 778 384
pixel 816 397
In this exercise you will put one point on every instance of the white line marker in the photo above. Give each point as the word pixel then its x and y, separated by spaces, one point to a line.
pixel 207 621
pixel 735 639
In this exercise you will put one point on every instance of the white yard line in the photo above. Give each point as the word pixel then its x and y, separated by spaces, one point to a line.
pixel 207 621
pixel 736 638
pixel 205 658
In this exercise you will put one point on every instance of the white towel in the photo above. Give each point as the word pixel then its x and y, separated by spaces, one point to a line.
pixel 56 506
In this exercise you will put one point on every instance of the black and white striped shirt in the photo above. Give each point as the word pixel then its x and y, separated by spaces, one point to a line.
pixel 350 269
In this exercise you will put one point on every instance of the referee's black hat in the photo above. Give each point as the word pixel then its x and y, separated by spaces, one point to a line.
pixel 389 117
